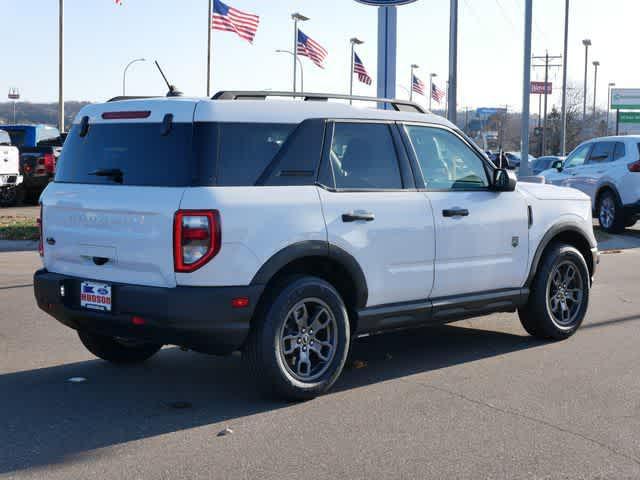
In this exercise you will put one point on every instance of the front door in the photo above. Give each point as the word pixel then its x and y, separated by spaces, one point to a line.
pixel 372 215
pixel 481 235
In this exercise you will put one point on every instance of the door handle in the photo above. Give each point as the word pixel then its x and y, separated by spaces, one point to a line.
pixel 358 215
pixel 455 212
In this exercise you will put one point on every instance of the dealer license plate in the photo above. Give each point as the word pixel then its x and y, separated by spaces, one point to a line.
pixel 95 296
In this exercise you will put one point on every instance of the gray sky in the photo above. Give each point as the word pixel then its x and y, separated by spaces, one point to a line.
pixel 102 37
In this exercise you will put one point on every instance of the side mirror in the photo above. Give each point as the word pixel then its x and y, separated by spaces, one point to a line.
pixel 558 165
pixel 504 180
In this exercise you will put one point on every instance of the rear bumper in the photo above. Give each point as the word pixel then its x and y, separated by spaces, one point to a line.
pixel 7 180
pixel 200 318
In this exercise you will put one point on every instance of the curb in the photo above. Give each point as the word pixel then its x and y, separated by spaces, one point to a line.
pixel 18 245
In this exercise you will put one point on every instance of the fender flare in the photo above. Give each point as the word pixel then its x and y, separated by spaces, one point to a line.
pixel 547 238
pixel 315 248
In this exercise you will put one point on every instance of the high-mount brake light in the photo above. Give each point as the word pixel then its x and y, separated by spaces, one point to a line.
pixel 196 238
pixel 126 115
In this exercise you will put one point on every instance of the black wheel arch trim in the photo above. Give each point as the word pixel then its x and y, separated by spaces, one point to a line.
pixel 548 237
pixel 315 248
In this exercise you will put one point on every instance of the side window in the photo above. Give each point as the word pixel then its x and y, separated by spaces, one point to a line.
pixel 447 163
pixel 602 152
pixel 363 156
pixel 619 151
pixel 577 157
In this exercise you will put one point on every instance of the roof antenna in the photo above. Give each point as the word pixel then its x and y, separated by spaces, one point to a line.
pixel 173 91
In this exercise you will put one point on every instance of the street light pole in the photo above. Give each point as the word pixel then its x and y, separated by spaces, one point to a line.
pixel 299 64
pixel 596 64
pixel 563 130
pixel 452 91
pixel 354 41
pixel 587 43
pixel 413 67
pixel 611 84
pixel 526 86
pixel 124 74
pixel 60 67
pixel 431 76
pixel 297 17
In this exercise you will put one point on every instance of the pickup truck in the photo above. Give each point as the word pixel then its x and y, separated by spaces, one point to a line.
pixel 10 177
pixel 40 147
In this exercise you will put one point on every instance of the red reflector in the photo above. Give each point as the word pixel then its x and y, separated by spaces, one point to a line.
pixel 138 320
pixel 240 302
pixel 126 115
pixel 634 167
pixel 40 234
pixel 195 234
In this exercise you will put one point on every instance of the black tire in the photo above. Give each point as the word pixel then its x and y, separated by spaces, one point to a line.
pixel 31 197
pixel 265 350
pixel 537 315
pixel 10 196
pixel 118 351
pixel 610 212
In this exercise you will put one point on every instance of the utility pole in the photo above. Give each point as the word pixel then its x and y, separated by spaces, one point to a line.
pixel 587 43
pixel 546 66
pixel 452 91
pixel 61 67
pixel 526 90
pixel 563 129
pixel 596 64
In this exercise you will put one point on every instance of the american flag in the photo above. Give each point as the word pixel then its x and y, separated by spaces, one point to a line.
pixel 118 2
pixel 231 19
pixel 436 93
pixel 308 47
pixel 358 67
pixel 417 85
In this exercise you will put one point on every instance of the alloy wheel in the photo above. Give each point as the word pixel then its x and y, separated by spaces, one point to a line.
pixel 565 294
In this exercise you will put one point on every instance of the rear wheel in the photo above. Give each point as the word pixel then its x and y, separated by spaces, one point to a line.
pixel 299 343
pixel 559 295
pixel 118 350
pixel 10 196
pixel 610 213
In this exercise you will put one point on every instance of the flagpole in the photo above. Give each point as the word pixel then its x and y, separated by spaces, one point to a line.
pixel 351 73
pixel 61 68
pixel 295 50
pixel 209 15
pixel 411 85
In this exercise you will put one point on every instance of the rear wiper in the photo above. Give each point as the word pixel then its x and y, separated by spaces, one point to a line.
pixel 114 174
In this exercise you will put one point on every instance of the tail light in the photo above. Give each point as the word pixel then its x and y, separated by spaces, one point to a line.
pixel 27 169
pixel 634 167
pixel 40 231
pixel 196 238
pixel 49 162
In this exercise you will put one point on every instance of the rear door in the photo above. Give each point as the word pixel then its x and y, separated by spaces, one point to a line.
pixel 374 213
pixel 109 214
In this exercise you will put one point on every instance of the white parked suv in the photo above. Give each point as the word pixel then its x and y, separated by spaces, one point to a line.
pixel 10 176
pixel 608 170
pixel 285 229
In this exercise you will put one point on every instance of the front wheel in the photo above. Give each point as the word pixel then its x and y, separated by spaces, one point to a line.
pixel 300 340
pixel 559 295
pixel 118 350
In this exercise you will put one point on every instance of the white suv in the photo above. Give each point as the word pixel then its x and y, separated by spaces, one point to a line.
pixel 10 177
pixel 608 170
pixel 287 228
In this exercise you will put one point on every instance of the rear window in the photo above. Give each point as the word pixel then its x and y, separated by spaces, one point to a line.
pixel 139 150
pixel 17 137
pixel 200 154
pixel 5 139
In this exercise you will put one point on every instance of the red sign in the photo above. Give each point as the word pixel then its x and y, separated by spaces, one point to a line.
pixel 539 88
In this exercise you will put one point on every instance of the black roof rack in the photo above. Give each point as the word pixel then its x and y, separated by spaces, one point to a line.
pixel 119 98
pixel 398 105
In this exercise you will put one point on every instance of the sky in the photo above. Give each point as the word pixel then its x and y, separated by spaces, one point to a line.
pixel 102 37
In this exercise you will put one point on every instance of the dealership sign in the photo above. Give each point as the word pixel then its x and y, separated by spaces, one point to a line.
pixel 385 3
pixel 541 88
pixel 629 117
pixel 625 98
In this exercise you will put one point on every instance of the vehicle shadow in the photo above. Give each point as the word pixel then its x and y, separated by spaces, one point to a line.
pixel 44 419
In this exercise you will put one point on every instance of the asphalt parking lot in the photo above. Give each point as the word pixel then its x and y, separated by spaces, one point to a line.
pixel 475 399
